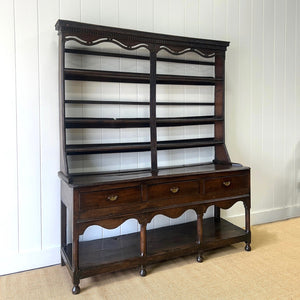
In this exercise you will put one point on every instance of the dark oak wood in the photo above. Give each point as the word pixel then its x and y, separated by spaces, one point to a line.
pixel 138 102
pixel 129 77
pixel 63 228
pixel 140 57
pixel 108 199
pixel 169 240
pixel 81 149
pixel 143 245
pixel 131 38
pixel 153 120
pixel 138 123
pixel 200 235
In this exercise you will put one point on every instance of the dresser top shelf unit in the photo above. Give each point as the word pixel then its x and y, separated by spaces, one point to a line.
pixel 205 53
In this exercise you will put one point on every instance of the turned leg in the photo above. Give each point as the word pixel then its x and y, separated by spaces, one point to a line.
pixel 76 281
pixel 199 236
pixel 76 288
pixel 248 247
pixel 75 260
pixel 200 257
pixel 143 246
pixel 247 225
pixel 63 228
pixel 143 271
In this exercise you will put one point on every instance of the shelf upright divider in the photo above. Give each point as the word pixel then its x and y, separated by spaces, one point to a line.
pixel 153 133
pixel 221 154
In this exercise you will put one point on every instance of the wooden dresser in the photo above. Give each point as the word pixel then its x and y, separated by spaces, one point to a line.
pixel 110 197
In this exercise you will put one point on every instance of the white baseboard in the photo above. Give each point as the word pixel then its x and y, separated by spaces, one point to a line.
pixel 18 262
pixel 267 216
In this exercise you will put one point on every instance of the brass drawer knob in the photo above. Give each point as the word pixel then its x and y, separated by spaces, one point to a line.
pixel 112 197
pixel 227 183
pixel 174 189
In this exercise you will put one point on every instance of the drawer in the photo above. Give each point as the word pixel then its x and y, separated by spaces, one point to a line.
pixel 109 198
pixel 226 186
pixel 172 190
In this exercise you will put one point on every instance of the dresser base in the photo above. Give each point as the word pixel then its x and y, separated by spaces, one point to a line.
pixel 122 252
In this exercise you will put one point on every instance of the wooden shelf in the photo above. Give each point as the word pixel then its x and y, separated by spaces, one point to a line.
pixel 186 121
pixel 107 148
pixel 106 123
pixel 172 240
pixel 138 103
pixel 138 123
pixel 82 149
pixel 192 143
pixel 139 57
pixel 129 77
pixel 92 178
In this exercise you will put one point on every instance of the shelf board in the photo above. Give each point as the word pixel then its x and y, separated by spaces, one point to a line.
pixel 106 123
pixel 139 57
pixel 129 77
pixel 82 149
pixel 138 123
pixel 183 236
pixel 191 143
pixel 107 148
pixel 112 102
pixel 186 121
pixel 104 255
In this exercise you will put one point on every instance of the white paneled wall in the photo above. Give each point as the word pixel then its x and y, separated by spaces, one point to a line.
pixel 262 107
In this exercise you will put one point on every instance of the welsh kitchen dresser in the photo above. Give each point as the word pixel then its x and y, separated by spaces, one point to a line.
pixel 165 74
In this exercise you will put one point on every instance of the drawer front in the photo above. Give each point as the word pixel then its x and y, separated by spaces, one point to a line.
pixel 172 190
pixel 226 186
pixel 109 198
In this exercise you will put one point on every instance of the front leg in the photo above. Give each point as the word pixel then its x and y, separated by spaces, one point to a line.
pixel 143 247
pixel 247 224
pixel 248 247
pixel 199 236
pixel 75 260
pixel 76 289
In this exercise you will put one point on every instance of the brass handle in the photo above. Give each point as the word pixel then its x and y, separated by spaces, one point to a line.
pixel 227 183
pixel 112 197
pixel 174 189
